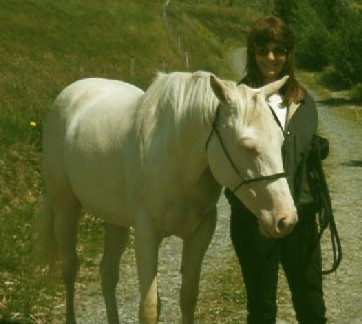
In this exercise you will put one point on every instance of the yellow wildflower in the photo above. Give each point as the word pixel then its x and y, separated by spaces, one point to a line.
pixel 33 123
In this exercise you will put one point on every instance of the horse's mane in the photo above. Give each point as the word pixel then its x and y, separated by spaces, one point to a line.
pixel 173 99
pixel 177 99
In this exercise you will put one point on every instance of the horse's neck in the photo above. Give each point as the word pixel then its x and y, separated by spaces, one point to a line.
pixel 191 149
pixel 174 128
pixel 182 151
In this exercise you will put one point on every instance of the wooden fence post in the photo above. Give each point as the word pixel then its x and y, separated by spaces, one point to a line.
pixel 132 67
pixel 163 66
pixel 186 61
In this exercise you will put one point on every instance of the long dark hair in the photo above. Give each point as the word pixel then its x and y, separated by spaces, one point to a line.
pixel 273 29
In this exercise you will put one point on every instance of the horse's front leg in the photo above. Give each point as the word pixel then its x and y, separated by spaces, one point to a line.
pixel 194 249
pixel 116 240
pixel 147 243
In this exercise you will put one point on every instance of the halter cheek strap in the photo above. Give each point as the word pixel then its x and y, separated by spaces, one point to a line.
pixel 243 181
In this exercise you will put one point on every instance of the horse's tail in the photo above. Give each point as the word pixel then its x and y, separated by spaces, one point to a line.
pixel 46 246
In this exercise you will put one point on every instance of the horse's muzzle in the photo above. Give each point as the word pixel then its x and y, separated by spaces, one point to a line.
pixel 278 226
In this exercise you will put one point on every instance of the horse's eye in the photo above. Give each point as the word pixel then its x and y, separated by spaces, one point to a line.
pixel 252 148
pixel 250 145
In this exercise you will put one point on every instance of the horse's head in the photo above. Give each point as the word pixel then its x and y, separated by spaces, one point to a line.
pixel 244 154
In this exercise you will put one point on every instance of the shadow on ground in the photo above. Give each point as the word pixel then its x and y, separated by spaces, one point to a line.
pixel 350 163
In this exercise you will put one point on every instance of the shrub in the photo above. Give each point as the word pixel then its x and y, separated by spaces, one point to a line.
pixel 347 56
pixel 356 93
pixel 333 80
pixel 311 35
pixel 313 46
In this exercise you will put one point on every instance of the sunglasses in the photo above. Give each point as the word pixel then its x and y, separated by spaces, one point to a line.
pixel 277 51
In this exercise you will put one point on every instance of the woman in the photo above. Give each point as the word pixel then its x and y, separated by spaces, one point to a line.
pixel 269 57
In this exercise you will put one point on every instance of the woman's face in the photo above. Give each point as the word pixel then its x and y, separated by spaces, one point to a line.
pixel 270 60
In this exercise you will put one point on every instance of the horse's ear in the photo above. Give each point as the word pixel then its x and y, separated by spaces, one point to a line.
pixel 273 87
pixel 221 90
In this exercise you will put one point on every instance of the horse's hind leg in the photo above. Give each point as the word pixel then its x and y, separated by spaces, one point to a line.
pixel 65 225
pixel 194 249
pixel 115 244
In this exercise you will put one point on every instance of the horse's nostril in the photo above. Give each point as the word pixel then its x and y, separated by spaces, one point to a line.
pixel 282 225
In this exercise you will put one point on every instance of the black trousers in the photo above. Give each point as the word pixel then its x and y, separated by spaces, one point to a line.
pixel 260 257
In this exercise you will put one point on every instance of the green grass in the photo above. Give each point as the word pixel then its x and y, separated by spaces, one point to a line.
pixel 44 46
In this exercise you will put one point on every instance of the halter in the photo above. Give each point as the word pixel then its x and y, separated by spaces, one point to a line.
pixel 243 181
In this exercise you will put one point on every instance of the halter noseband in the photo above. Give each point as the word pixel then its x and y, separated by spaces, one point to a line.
pixel 243 181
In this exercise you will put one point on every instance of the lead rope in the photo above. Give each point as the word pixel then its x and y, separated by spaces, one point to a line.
pixel 325 212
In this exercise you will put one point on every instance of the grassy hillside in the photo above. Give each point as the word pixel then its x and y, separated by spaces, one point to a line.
pixel 45 45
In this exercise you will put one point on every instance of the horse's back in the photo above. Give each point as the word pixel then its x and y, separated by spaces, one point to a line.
pixel 83 92
pixel 87 143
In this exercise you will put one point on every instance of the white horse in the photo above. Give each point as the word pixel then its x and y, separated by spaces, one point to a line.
pixel 139 159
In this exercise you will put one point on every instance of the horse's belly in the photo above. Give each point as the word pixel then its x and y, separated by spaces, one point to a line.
pixel 102 194
pixel 97 151
pixel 99 185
